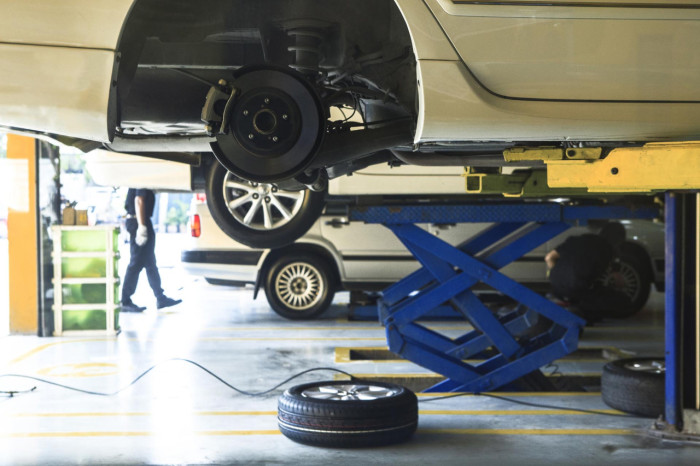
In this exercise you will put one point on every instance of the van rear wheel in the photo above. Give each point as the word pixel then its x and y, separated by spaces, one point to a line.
pixel 299 286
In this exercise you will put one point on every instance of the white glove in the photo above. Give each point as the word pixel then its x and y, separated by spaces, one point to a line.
pixel 141 235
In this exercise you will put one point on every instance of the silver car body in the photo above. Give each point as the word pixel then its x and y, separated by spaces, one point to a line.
pixel 624 70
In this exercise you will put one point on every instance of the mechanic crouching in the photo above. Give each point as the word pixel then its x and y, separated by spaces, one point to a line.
pixel 576 266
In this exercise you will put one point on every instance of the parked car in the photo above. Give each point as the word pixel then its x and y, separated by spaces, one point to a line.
pixel 434 82
pixel 301 279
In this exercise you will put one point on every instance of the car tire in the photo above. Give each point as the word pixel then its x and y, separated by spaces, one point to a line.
pixel 259 215
pixel 299 286
pixel 635 386
pixel 631 277
pixel 348 414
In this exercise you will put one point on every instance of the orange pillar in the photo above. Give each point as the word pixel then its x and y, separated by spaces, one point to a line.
pixel 22 236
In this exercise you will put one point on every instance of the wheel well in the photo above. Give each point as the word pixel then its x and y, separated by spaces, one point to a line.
pixel 209 39
pixel 303 248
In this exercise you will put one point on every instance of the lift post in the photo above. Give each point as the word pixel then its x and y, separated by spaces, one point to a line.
pixel 449 273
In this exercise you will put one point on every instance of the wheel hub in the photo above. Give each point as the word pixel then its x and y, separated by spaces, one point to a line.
pixel 349 392
pixel 299 286
pixel 266 122
pixel 260 206
pixel 272 123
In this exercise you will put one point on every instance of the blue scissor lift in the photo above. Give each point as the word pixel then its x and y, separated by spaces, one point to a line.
pixel 448 275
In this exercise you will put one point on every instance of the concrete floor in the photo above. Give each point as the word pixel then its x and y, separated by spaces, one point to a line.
pixel 179 414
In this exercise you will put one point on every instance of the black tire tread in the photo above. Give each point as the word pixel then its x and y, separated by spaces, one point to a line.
pixel 638 304
pixel 285 235
pixel 334 423
pixel 638 393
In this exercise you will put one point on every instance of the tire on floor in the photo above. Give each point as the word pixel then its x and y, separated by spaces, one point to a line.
pixel 348 414
pixel 635 386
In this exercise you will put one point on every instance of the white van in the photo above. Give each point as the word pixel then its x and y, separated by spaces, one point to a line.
pixel 301 279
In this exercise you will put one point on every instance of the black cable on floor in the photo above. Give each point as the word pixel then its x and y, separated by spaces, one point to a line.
pixel 12 393
pixel 143 374
pixel 527 403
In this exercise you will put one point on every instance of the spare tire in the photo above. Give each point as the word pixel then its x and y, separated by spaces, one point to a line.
pixel 348 413
pixel 635 386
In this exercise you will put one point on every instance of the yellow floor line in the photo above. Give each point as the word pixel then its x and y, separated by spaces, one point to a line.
pixel 515 412
pixel 510 394
pixel 132 414
pixel 41 348
pixel 530 431
pixel 281 338
pixel 325 329
pixel 284 329
pixel 572 432
pixel 427 412
pixel 134 434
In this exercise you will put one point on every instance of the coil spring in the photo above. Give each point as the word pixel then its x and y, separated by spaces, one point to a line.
pixel 307 49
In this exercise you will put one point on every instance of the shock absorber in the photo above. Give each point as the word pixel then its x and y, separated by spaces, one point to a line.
pixel 306 44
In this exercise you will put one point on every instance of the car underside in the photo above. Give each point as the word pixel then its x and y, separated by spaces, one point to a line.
pixel 279 96
pixel 256 85
pixel 291 93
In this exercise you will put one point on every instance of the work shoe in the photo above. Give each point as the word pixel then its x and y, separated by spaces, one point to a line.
pixel 167 302
pixel 131 307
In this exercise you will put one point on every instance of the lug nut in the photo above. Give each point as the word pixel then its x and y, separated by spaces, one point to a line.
pixel 267 198
pixel 250 136
pixel 245 112
pixel 275 139
pixel 285 116
pixel 267 101
pixel 222 82
pixel 256 196
pixel 274 189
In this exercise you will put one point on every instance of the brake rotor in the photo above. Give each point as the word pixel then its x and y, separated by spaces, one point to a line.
pixel 275 128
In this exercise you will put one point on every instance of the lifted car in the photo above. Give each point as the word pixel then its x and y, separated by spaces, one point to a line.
pixel 434 82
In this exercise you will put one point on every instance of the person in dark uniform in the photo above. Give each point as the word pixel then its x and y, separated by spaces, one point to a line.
pixel 139 208
pixel 576 265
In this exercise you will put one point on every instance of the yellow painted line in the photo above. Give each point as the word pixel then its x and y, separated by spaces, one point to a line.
pixel 509 394
pixel 131 414
pixel 135 434
pixel 293 339
pixel 428 412
pixel 75 434
pixel 642 327
pixel 392 376
pixel 515 412
pixel 573 432
pixel 377 327
pixel 284 329
pixel 239 432
pixel 530 431
pixel 342 355
pixel 78 414
pixel 41 348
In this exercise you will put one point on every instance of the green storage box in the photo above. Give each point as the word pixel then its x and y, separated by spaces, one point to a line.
pixel 89 240
pixel 95 319
pixel 86 279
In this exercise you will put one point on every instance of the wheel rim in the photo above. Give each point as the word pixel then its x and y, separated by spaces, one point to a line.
pixel 349 392
pixel 650 366
pixel 260 206
pixel 300 286
pixel 624 278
